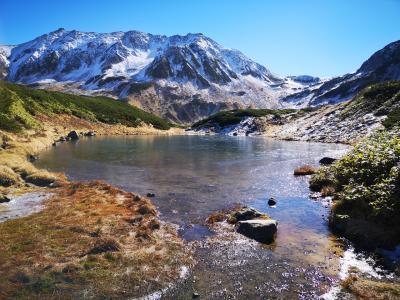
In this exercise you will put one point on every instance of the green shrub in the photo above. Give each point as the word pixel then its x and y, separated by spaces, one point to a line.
pixel 367 180
pixel 231 117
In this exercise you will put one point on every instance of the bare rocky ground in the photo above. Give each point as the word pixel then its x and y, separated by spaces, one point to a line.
pixel 326 124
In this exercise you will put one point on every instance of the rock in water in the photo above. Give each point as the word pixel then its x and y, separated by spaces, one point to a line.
pixel 246 213
pixel 90 133
pixel 73 135
pixel 271 202
pixel 263 231
pixel 327 161
pixel 150 195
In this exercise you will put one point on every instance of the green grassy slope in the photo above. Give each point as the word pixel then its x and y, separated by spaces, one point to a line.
pixel 20 104
pixel 381 99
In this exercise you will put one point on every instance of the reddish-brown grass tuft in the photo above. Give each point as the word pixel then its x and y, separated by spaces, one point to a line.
pixel 304 170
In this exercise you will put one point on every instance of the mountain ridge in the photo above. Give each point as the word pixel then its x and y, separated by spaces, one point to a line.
pixel 381 66
pixel 178 70
pixel 182 78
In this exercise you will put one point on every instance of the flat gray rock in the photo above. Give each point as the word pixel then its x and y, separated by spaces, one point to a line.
pixel 263 231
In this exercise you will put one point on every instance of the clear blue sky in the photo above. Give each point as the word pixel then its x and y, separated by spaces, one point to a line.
pixel 290 37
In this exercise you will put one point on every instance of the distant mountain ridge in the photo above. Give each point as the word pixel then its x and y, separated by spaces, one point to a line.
pixel 182 78
pixel 383 65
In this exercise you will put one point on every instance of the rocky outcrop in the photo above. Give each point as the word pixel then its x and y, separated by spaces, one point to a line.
pixel 247 221
pixel 254 224
pixel 263 231
pixel 246 213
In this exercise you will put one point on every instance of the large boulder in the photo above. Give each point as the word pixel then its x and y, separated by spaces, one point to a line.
pixel 73 135
pixel 261 230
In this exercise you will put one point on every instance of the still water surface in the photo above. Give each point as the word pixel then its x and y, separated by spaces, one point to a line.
pixel 193 176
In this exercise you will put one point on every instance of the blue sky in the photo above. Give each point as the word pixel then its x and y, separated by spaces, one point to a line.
pixel 289 37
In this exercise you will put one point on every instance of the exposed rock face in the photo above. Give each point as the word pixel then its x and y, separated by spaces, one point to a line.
pixel 381 66
pixel 263 231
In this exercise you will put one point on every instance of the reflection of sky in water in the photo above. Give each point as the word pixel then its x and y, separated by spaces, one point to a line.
pixel 193 176
pixel 21 206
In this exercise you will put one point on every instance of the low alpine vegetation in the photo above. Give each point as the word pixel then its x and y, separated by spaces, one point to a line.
pixel 366 188
pixel 20 106
pixel 231 117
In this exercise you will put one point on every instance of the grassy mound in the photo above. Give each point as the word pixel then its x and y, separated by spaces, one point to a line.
pixel 366 187
pixel 231 117
pixel 20 104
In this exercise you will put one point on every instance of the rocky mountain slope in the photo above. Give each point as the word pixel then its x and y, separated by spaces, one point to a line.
pixel 381 66
pixel 5 52
pixel 182 78
pixel 376 106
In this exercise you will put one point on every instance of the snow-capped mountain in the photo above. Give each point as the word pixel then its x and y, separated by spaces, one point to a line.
pixel 182 78
pixel 381 66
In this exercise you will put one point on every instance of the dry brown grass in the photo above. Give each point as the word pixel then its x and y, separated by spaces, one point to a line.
pixel 84 243
pixel 215 217
pixel 91 240
pixel 7 176
pixel 304 170
pixel 371 289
